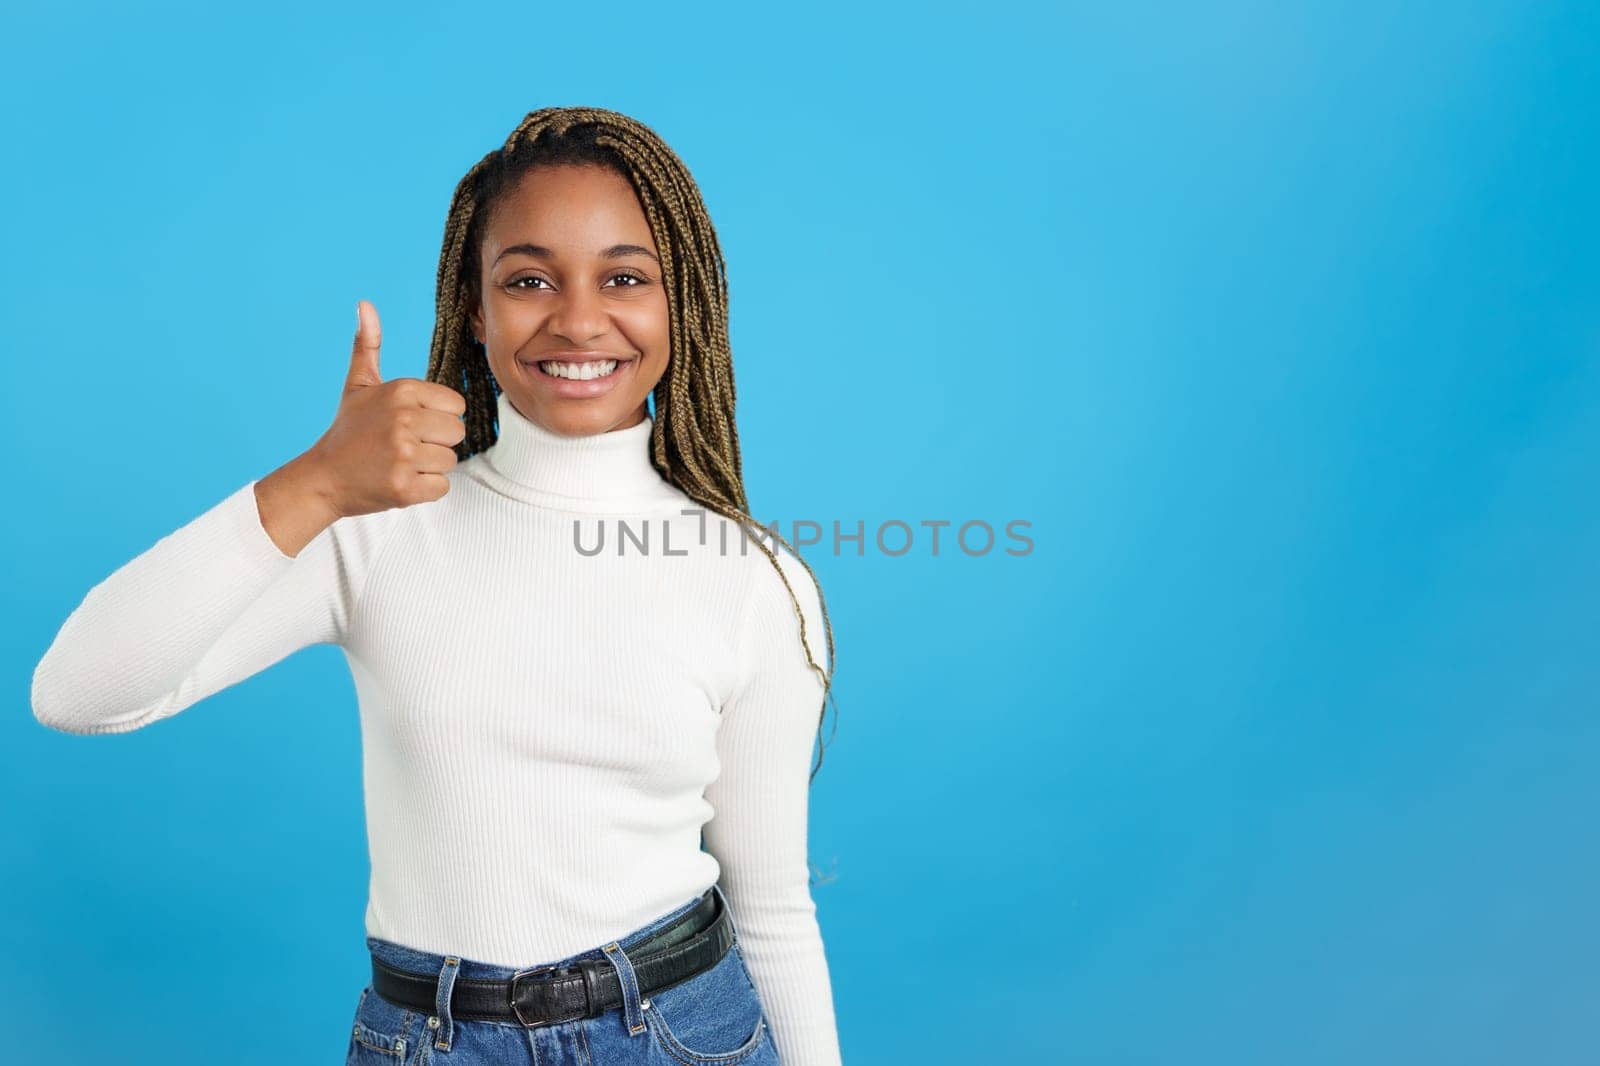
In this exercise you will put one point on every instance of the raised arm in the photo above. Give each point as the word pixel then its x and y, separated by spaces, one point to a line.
pixel 758 831
pixel 269 570
pixel 205 607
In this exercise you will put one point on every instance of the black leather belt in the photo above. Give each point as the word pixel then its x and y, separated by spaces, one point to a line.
pixel 547 995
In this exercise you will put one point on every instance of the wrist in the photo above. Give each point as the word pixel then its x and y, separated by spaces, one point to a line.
pixel 307 478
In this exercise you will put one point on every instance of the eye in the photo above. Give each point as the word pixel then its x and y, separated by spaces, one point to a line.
pixel 516 283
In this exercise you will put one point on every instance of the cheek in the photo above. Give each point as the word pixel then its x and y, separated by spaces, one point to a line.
pixel 659 314
pixel 651 327
pixel 502 372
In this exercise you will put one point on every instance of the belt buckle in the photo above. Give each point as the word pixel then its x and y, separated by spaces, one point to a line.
pixel 516 1008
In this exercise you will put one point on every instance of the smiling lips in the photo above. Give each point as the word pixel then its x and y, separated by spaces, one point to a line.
pixel 578 373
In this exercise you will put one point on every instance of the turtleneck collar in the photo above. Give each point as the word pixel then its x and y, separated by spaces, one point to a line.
pixel 609 467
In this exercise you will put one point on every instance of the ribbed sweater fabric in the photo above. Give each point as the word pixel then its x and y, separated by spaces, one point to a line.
pixel 546 730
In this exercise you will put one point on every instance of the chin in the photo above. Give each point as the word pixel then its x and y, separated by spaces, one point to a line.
pixel 579 418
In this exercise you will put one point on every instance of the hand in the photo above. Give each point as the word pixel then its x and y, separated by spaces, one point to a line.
pixel 391 442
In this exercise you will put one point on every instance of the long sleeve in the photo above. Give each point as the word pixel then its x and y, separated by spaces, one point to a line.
pixel 493 704
pixel 758 831
pixel 205 607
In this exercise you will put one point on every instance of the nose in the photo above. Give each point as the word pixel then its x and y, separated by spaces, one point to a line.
pixel 579 317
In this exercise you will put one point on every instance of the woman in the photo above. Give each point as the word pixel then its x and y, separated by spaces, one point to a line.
pixel 577 657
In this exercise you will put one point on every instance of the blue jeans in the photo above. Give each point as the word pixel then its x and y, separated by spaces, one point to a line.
pixel 714 1017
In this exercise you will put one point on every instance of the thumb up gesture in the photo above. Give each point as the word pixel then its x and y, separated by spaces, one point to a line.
pixel 391 442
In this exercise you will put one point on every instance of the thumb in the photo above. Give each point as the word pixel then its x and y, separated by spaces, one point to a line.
pixel 364 356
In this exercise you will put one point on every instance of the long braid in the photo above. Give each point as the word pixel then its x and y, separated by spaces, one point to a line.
pixel 695 440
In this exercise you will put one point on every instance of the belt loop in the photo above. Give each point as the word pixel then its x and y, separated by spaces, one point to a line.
pixel 442 1022
pixel 717 888
pixel 631 1010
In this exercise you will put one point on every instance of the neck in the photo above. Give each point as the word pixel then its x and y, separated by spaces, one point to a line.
pixel 613 466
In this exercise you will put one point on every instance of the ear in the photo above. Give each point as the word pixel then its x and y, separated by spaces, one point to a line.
pixel 475 320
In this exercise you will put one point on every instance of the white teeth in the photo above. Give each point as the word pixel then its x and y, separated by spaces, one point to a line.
pixel 579 371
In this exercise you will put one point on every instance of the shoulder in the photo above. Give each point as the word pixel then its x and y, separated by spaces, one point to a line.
pixel 363 536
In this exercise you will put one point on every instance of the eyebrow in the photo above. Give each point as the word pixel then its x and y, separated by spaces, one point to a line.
pixel 539 251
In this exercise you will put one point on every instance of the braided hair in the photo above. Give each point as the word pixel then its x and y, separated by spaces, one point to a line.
pixel 694 442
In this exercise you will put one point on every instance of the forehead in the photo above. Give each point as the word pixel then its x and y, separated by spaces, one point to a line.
pixel 572 210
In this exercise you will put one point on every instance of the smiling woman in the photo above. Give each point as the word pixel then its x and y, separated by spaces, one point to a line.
pixel 559 311
pixel 586 776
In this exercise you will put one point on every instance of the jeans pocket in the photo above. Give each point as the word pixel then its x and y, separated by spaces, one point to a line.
pixel 384 1034
pixel 714 1017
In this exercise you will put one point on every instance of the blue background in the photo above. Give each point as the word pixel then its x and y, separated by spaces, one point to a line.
pixel 1280 327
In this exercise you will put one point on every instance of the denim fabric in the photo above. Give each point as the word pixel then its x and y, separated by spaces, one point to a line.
pixel 714 1017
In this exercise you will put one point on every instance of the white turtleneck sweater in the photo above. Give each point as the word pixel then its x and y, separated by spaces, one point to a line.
pixel 545 733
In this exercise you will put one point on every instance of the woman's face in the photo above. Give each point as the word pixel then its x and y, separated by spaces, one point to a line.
pixel 570 272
